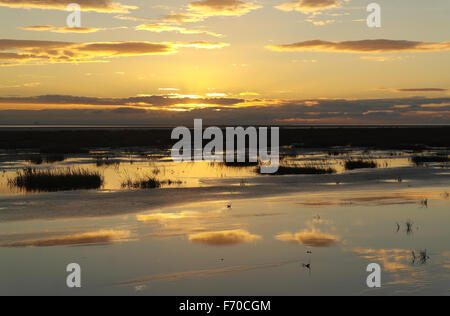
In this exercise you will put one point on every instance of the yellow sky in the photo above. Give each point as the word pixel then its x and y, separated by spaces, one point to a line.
pixel 249 53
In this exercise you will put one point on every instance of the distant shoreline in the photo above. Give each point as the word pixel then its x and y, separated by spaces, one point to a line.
pixel 138 126
pixel 325 137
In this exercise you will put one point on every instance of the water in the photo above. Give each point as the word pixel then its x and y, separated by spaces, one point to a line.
pixel 229 231
pixel 118 166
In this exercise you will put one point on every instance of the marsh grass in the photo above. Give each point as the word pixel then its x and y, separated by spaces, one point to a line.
pixel 106 161
pixel 424 203
pixel 144 183
pixel 34 180
pixel 172 182
pixel 147 183
pixel 360 164
pixel 421 258
pixel 52 158
pixel 245 164
pixel 420 160
pixel 295 169
pixel 409 227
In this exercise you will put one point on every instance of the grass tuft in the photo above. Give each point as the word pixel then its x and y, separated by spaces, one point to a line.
pixel 420 160
pixel 292 169
pixel 52 158
pixel 237 164
pixel 34 180
pixel 148 183
pixel 360 164
pixel 145 183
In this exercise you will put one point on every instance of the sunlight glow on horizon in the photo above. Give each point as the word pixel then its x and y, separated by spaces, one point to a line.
pixel 173 51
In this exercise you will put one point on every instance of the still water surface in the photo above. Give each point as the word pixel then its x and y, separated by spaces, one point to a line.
pixel 233 245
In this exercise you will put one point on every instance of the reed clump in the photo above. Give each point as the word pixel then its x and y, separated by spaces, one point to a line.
pixel 296 169
pixel 420 160
pixel 35 180
pixel 360 164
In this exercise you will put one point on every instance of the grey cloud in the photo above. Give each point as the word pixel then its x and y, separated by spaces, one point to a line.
pixel 374 111
pixel 155 100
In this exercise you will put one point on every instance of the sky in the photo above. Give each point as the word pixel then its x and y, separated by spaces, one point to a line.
pixel 226 61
